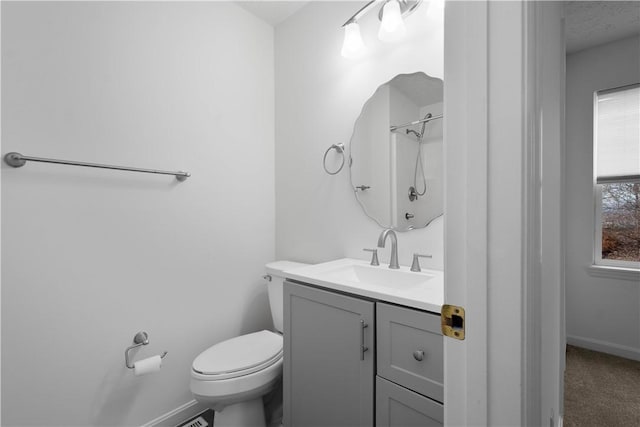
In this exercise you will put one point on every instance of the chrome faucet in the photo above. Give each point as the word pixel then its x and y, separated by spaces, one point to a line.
pixel 393 262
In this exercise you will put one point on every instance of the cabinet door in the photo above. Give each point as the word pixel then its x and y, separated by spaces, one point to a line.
pixel 328 379
pixel 399 407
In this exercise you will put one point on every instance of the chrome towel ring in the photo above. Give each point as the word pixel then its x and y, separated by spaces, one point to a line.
pixel 339 147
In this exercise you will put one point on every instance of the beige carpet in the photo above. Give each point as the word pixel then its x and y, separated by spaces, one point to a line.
pixel 600 390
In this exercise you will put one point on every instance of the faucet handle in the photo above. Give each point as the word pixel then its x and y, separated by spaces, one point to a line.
pixel 415 265
pixel 374 256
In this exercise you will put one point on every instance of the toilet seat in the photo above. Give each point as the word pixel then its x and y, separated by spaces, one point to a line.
pixel 239 356
pixel 238 373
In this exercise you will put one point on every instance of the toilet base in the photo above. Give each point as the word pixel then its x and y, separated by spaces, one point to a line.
pixel 248 413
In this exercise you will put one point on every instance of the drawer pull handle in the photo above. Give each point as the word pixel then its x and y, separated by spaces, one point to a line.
pixel 418 355
pixel 363 325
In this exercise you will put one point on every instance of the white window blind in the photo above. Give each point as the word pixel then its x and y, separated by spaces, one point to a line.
pixel 617 133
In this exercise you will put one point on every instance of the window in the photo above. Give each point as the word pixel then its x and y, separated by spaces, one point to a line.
pixel 617 177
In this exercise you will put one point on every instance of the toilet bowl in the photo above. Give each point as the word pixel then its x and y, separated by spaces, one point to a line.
pixel 232 376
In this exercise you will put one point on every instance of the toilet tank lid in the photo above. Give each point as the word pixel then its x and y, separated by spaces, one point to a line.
pixel 239 353
pixel 277 267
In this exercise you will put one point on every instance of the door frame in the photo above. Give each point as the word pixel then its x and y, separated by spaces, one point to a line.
pixel 504 103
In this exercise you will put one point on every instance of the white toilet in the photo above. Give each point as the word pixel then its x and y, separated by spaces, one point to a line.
pixel 233 375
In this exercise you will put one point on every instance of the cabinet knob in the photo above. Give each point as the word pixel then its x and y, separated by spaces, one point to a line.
pixel 418 355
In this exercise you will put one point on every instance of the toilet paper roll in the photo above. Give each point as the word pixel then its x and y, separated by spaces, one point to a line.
pixel 147 366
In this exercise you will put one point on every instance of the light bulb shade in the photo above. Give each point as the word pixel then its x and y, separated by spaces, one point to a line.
pixel 392 26
pixel 353 46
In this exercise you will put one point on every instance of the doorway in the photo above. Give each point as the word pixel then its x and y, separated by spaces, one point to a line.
pixel 602 292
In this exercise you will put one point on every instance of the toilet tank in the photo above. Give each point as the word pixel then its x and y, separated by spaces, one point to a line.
pixel 275 279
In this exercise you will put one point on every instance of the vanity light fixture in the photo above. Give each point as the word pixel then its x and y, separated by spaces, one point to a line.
pixel 392 26
pixel 353 44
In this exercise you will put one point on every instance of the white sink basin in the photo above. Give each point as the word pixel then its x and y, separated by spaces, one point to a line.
pixel 377 276
pixel 423 290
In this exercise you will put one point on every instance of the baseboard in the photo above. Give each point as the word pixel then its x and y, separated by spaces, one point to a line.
pixel 178 415
pixel 605 347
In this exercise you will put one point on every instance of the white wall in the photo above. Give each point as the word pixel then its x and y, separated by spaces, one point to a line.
pixel 319 96
pixel 90 257
pixel 601 313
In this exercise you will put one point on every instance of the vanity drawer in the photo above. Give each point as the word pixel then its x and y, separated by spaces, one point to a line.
pixel 398 407
pixel 410 349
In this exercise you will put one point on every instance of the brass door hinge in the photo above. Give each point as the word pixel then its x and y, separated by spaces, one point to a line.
pixel 452 321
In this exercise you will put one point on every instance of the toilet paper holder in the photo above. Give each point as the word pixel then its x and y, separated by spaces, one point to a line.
pixel 141 338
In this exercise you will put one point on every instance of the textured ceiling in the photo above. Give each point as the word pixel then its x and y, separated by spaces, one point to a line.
pixel 592 23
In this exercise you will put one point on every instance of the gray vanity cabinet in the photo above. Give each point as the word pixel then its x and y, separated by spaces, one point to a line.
pixel 329 379
pixel 329 354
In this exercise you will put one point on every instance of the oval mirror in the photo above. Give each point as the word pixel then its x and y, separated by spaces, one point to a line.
pixel 396 153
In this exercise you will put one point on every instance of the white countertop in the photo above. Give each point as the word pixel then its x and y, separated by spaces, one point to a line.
pixel 422 290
